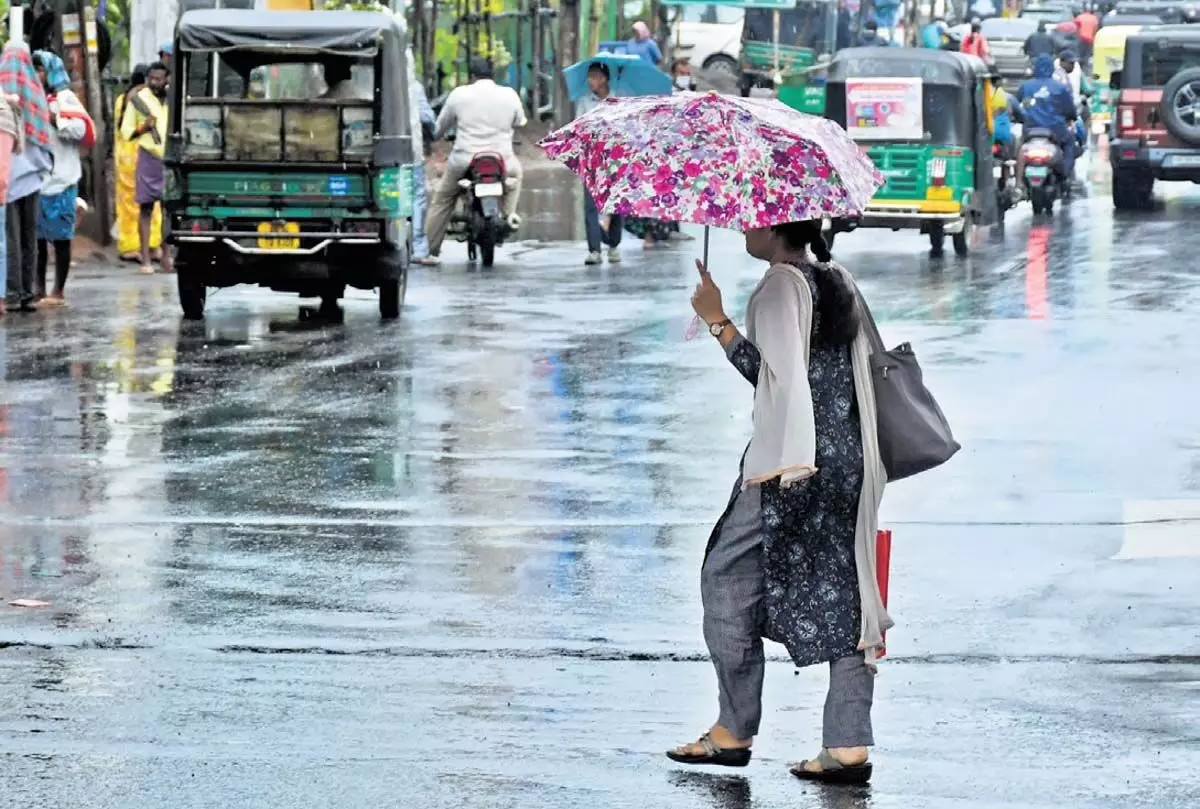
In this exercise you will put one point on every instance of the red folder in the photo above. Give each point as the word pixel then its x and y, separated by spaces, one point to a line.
pixel 883 560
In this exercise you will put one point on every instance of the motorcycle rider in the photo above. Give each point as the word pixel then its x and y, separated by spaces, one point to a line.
pixel 1039 42
pixel 1069 72
pixel 933 34
pixel 975 43
pixel 1047 104
pixel 870 37
pixel 485 116
pixel 1005 113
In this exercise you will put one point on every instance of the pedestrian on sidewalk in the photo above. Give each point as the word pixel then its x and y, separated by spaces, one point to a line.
pixel 642 44
pixel 145 122
pixel 71 129
pixel 10 134
pixel 30 166
pixel 125 156
pixel 792 558
pixel 606 231
pixel 423 121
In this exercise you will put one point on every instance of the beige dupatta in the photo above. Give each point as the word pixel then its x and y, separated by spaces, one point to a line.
pixel 779 324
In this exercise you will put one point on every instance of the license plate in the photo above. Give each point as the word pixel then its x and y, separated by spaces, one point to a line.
pixel 489 190
pixel 1037 171
pixel 278 228
pixel 1182 161
pixel 997 171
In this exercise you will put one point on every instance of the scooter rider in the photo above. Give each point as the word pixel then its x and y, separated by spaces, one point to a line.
pixel 1048 104
pixel 485 115
pixel 1069 72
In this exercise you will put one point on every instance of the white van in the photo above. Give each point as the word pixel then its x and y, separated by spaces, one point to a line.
pixel 709 36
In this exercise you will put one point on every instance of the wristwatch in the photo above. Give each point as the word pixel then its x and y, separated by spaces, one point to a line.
pixel 715 329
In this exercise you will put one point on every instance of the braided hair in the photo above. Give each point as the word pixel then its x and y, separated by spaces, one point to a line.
pixel 837 304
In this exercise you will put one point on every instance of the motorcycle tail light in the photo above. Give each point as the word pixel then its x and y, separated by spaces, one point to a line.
pixel 937 171
pixel 487 169
pixel 1037 155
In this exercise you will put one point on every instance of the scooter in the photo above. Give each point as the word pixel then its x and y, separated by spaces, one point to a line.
pixel 1004 168
pixel 1044 177
pixel 479 215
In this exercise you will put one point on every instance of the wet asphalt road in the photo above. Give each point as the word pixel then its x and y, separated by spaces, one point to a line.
pixel 453 562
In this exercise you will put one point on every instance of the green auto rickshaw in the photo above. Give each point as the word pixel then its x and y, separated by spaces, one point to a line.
pixel 923 118
pixel 783 47
pixel 290 155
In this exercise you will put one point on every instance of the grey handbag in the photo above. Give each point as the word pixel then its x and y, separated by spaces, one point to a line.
pixel 913 432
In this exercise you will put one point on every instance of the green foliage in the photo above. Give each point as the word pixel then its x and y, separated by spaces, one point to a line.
pixel 117 23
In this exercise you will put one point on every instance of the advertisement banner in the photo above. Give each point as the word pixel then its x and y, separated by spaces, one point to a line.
pixel 884 109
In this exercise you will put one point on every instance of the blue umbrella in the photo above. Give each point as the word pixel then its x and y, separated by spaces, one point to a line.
pixel 629 75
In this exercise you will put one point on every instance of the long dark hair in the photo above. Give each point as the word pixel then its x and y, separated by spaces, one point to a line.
pixel 136 79
pixel 837 305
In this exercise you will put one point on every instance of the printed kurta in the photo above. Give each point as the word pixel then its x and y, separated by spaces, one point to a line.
pixel 811 589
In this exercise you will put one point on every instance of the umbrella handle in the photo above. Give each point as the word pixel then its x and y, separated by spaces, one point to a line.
pixel 706 247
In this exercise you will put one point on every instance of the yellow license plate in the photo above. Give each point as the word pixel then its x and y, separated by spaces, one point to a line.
pixel 274 228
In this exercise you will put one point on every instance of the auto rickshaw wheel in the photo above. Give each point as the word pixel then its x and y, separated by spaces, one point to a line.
pixel 962 239
pixel 330 310
pixel 937 240
pixel 391 296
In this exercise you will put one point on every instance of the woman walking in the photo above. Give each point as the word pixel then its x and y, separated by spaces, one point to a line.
pixel 30 165
pixel 792 558
pixel 10 133
pixel 71 129
pixel 125 156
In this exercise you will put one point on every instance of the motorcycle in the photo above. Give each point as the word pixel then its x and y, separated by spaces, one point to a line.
pixel 1044 175
pixel 1005 171
pixel 479 216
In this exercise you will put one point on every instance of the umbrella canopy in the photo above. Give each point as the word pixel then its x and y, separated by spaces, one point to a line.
pixel 629 75
pixel 739 163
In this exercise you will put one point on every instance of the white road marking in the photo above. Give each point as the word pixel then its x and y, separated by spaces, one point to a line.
pixel 1158 529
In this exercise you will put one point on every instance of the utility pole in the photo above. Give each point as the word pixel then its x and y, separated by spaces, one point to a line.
pixel 568 54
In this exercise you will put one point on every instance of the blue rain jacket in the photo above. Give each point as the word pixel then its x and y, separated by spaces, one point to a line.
pixel 1046 103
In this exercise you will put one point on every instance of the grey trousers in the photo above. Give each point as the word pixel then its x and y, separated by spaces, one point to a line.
pixel 731 589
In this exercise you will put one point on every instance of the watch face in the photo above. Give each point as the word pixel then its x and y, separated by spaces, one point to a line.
pixel 715 329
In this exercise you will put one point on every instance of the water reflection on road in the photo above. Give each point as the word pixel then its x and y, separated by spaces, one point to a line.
pixel 485 522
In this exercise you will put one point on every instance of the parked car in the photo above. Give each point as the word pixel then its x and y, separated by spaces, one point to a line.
pixel 1049 12
pixel 1156 134
pixel 709 36
pixel 1169 11
pixel 1006 40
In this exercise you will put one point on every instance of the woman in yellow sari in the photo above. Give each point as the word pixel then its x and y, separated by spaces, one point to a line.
pixel 125 158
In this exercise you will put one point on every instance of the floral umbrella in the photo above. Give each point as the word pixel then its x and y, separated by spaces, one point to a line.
pixel 738 163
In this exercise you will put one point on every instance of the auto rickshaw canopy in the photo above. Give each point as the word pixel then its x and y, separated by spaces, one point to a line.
pixel 244 35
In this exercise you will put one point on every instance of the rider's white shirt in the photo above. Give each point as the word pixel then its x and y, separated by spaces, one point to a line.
pixel 1073 80
pixel 484 116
